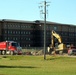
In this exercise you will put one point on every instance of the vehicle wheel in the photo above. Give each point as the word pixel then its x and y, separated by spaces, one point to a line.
pixel 11 52
pixel 60 52
pixel 3 52
pixel 0 53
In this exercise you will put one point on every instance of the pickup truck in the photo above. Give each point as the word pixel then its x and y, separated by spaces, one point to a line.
pixel 72 51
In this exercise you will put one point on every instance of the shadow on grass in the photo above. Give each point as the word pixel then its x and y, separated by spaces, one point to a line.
pixel 3 66
pixel 55 58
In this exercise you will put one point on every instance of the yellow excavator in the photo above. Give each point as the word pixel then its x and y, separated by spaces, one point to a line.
pixel 60 47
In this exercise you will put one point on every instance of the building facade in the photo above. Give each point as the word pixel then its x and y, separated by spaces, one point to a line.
pixel 31 33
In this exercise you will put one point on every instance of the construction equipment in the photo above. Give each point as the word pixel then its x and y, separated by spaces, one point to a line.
pixel 10 47
pixel 60 46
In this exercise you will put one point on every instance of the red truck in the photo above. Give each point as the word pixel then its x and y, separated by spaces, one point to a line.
pixel 10 47
pixel 72 51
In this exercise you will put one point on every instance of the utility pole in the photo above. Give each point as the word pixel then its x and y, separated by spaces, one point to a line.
pixel 44 11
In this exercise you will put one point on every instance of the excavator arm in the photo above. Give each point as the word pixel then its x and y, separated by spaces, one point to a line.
pixel 56 36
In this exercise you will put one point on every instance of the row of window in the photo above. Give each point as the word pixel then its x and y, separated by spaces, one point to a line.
pixel 29 32
pixel 29 39
pixel 70 39
pixel 17 32
pixel 22 39
pixel 13 25
pixel 48 26
pixel 62 34
pixel 17 38
pixel 55 27
pixel 25 45
pixel 10 25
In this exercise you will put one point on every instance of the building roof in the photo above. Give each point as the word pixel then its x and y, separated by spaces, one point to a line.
pixel 36 21
pixel 20 21
pixel 49 22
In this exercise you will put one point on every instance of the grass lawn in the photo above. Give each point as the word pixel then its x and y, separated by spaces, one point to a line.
pixel 36 65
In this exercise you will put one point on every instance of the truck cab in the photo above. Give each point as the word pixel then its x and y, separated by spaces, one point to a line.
pixel 10 47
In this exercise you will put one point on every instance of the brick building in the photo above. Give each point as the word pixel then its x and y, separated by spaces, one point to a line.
pixel 31 33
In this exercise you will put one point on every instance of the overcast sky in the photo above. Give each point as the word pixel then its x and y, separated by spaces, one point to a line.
pixel 61 11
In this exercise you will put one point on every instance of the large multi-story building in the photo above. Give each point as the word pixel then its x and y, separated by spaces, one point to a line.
pixel 31 33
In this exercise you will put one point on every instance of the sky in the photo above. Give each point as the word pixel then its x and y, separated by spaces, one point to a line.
pixel 60 11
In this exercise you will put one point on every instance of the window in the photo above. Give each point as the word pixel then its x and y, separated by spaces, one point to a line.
pixel 8 38
pixel 21 32
pixel 5 25
pixel 16 32
pixel 29 39
pixel 26 38
pixel 14 44
pixel 13 38
pixel 8 31
pixel 5 38
pixel 48 33
pixel 29 26
pixel 13 32
pixel 65 34
pixel 29 32
pixel 55 28
pixel 16 38
pixel 26 32
pixel 5 31
pixel 29 45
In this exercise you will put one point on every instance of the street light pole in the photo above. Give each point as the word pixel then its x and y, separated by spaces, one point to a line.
pixel 44 29
pixel 44 12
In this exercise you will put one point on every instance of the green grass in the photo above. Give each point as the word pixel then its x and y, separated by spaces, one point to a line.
pixel 36 65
